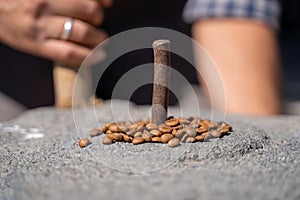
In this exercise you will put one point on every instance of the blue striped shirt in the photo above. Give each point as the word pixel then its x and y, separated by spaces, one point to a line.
pixel 266 11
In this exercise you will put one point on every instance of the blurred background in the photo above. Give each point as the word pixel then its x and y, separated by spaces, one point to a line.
pixel 29 81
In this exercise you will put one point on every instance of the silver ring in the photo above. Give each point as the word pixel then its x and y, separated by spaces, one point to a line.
pixel 67 29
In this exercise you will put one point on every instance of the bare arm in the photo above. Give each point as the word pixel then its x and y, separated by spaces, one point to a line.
pixel 246 55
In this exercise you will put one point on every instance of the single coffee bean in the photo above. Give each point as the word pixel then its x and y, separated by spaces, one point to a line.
pixel 155 132
pixel 138 134
pixel 174 132
pixel 172 122
pixel 225 125
pixel 133 127
pixel 184 122
pixel 128 124
pixel 115 128
pixel 173 142
pixel 109 124
pixel 180 133
pixel 131 133
pixel 137 140
pixel 213 125
pixel 194 123
pixel 201 130
pixel 165 129
pixel 106 140
pixel 140 128
pixel 215 133
pixel 166 137
pixel 207 135
pixel 151 126
pixel 141 123
pixel 156 139
pixel 177 127
pixel 170 117
pixel 124 128
pixel 200 138
pixel 204 123
pixel 127 138
pixel 94 132
pixel 190 140
pixel 117 137
pixel 83 142
pixel 103 129
pixel 184 138
pixel 147 136
pixel 191 132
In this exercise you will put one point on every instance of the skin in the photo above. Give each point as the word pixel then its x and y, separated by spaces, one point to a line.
pixel 35 26
pixel 246 55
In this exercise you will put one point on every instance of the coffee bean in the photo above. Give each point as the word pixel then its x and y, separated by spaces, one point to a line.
pixel 138 134
pixel 141 123
pixel 190 131
pixel 207 135
pixel 213 125
pixel 156 133
pixel 151 126
pixel 137 140
pixel 184 137
pixel 184 121
pixel 177 127
pixel 215 133
pixel 127 138
pixel 141 128
pixel 83 142
pixel 117 137
pixel 180 133
pixel 172 122
pixel 190 140
pixel 201 130
pixel 226 127
pixel 173 131
pixel 128 124
pixel 165 129
pixel 94 132
pixel 114 128
pixel 204 123
pixel 131 133
pixel 166 137
pixel 124 128
pixel 156 139
pixel 106 140
pixel 109 124
pixel 103 129
pixel 133 127
pixel 170 117
pixel 194 123
pixel 200 138
pixel 147 136
pixel 109 135
pixel 173 142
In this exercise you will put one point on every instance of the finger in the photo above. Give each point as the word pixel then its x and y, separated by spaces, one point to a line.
pixel 106 3
pixel 81 33
pixel 87 10
pixel 65 52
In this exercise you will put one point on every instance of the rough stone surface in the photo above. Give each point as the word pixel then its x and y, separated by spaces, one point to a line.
pixel 259 160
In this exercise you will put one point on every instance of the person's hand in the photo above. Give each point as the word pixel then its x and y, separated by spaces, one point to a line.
pixel 36 26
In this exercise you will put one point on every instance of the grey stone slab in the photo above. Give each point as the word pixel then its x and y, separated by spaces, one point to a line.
pixel 40 159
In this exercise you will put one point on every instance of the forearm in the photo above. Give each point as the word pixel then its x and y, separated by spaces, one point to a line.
pixel 246 55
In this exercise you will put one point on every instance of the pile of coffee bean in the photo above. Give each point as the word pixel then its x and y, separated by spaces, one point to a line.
pixel 172 132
